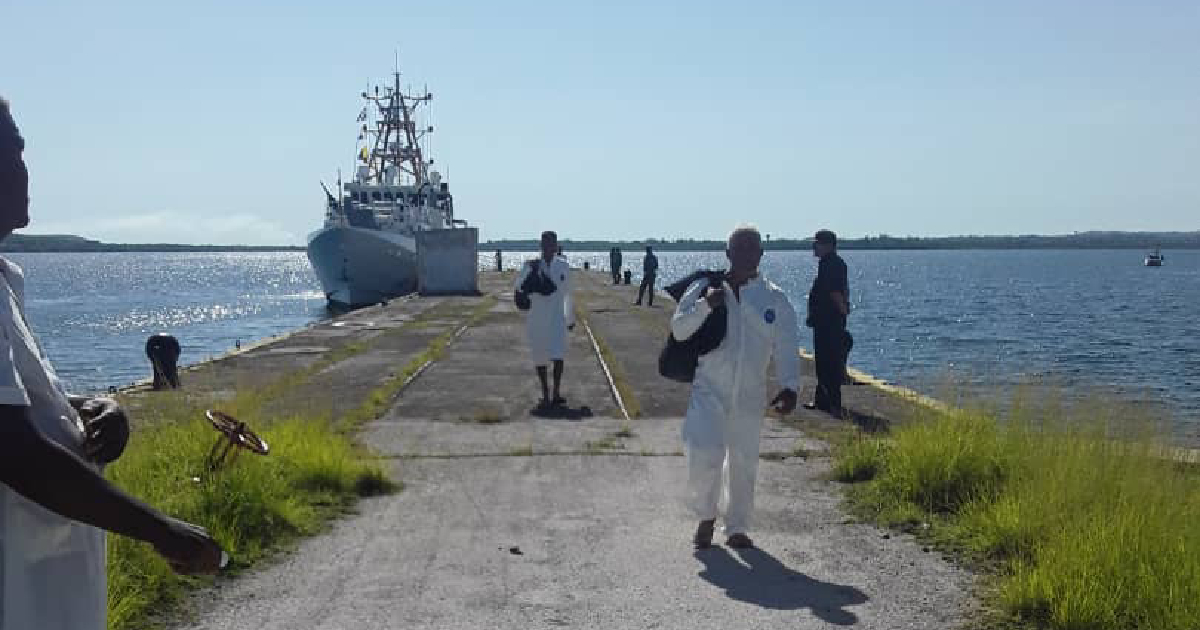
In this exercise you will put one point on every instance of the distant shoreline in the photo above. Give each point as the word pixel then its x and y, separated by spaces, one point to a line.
pixel 66 244
pixel 27 243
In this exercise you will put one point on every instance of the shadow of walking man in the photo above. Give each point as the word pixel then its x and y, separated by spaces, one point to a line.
pixel 562 412
pixel 760 579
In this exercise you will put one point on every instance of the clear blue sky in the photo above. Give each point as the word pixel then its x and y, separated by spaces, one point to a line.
pixel 214 121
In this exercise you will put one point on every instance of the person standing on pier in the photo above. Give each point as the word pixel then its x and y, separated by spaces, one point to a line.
pixel 729 391
pixel 828 307
pixel 54 502
pixel 547 282
pixel 649 273
pixel 614 262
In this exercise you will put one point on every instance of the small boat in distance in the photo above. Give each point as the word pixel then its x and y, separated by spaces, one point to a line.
pixel 1155 258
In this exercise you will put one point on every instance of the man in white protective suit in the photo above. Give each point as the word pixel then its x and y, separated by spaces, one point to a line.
pixel 729 392
pixel 547 282
pixel 54 503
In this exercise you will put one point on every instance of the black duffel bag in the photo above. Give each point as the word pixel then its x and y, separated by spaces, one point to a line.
pixel 536 281
pixel 679 359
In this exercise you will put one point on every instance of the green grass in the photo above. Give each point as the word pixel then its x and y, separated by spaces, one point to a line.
pixel 253 506
pixel 1084 519
pixel 609 442
pixel 257 505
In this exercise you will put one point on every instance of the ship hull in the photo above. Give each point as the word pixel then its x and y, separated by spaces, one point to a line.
pixel 358 266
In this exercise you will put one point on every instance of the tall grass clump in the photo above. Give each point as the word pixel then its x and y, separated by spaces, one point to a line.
pixel 1087 518
pixel 252 506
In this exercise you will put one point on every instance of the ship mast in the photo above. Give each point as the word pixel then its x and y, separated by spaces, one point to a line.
pixel 397 139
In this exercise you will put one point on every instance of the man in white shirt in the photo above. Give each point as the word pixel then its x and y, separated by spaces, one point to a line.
pixel 729 392
pixel 547 282
pixel 54 503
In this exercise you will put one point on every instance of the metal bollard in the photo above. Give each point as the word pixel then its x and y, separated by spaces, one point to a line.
pixel 163 351
pixel 628 276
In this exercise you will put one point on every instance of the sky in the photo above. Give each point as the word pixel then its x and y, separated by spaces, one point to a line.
pixel 215 122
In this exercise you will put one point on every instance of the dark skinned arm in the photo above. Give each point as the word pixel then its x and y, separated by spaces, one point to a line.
pixel 48 474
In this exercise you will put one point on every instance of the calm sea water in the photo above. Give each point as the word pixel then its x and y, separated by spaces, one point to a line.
pixel 988 321
pixel 93 312
pixel 1095 319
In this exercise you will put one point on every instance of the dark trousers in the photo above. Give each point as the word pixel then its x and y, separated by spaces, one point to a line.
pixel 616 273
pixel 829 344
pixel 647 283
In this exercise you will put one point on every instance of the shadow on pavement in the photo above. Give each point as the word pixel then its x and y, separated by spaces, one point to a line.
pixel 760 579
pixel 562 412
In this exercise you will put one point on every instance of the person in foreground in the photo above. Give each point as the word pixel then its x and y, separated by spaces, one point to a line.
pixel 828 307
pixel 54 503
pixel 729 392
pixel 547 282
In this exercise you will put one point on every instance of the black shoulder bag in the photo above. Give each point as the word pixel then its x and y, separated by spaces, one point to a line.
pixel 679 359
pixel 536 282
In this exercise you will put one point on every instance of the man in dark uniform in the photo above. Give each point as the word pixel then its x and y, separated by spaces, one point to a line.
pixel 828 306
pixel 649 272
pixel 614 263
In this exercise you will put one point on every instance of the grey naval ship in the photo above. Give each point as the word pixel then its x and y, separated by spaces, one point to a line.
pixel 367 251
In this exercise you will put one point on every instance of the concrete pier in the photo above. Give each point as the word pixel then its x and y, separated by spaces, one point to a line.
pixel 510 520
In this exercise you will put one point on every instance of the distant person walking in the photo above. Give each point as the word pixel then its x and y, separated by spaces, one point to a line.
pixel 54 501
pixel 614 263
pixel 499 260
pixel 729 392
pixel 547 282
pixel 649 273
pixel 828 307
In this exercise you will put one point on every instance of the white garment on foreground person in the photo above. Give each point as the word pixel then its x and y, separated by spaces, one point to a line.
pixel 729 393
pixel 549 315
pixel 52 569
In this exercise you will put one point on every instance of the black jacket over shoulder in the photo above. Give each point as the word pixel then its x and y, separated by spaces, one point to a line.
pixel 679 359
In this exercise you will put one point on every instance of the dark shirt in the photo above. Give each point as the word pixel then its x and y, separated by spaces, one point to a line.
pixel 823 312
pixel 650 265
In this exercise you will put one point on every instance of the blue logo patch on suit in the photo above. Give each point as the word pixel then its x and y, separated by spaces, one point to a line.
pixel 769 316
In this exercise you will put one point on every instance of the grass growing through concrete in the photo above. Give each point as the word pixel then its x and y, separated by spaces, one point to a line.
pixel 383 395
pixel 1086 520
pixel 619 378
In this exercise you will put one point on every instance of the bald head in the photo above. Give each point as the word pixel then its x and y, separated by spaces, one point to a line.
pixel 14 178
pixel 10 137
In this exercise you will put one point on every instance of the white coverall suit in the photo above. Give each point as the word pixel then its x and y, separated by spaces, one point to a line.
pixel 549 315
pixel 729 393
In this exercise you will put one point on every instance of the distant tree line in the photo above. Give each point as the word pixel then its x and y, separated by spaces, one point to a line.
pixel 65 243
